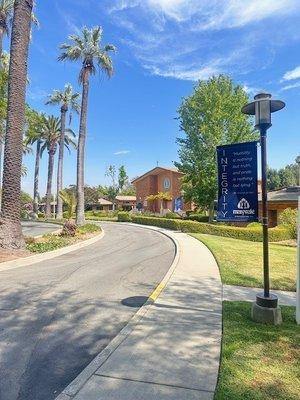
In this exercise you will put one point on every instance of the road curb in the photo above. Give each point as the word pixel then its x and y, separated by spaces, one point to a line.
pixel 73 388
pixel 22 262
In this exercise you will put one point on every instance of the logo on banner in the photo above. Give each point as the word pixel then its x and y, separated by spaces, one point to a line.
pixel 243 204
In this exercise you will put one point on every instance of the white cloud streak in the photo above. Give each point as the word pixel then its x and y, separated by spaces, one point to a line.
pixel 120 152
pixel 292 86
pixel 293 74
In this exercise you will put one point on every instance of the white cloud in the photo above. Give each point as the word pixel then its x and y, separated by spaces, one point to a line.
pixel 292 86
pixel 293 74
pixel 195 39
pixel 117 153
pixel 184 72
pixel 212 14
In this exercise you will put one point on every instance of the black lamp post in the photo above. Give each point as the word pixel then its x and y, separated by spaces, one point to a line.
pixel 262 107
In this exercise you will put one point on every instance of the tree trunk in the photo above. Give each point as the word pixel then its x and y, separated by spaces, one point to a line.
pixel 80 217
pixel 59 202
pixel 1 154
pixel 211 212
pixel 1 39
pixel 36 177
pixel 49 183
pixel 10 226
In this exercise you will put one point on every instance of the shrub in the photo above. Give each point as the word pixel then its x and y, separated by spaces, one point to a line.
pixel 88 228
pixel 254 225
pixel 52 242
pixel 252 234
pixel 124 216
pixel 288 219
pixel 41 214
pixel 172 215
pixel 69 228
pixel 197 217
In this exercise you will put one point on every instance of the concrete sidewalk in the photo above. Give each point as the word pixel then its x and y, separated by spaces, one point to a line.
pixel 171 348
pixel 240 293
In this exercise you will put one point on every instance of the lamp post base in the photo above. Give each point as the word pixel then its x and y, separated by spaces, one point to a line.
pixel 266 310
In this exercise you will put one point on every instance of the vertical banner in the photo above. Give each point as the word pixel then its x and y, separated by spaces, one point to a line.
pixel 237 182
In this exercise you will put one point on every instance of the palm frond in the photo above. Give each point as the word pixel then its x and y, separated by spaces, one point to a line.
pixel 87 48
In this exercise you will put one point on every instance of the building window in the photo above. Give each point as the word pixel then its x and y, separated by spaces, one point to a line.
pixel 167 183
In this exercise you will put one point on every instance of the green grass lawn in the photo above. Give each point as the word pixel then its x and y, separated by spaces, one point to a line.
pixel 259 362
pixel 240 262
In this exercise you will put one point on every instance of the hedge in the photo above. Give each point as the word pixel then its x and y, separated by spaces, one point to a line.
pixel 276 234
pixel 123 216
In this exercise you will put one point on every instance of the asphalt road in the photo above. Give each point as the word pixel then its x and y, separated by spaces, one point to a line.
pixel 31 228
pixel 58 314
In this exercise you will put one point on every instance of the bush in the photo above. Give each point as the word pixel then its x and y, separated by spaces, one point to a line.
pixel 172 215
pixel 52 242
pixel 288 219
pixel 124 216
pixel 197 217
pixel 88 228
pixel 252 234
pixel 41 214
pixel 254 225
pixel 69 229
pixel 100 215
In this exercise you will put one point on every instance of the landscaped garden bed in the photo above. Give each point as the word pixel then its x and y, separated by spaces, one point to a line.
pixel 240 262
pixel 55 241
pixel 259 362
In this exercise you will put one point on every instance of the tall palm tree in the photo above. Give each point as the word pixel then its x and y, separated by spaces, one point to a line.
pixel 67 99
pixel 6 15
pixel 87 49
pixel 51 133
pixel 35 135
pixel 10 226
pixel 4 66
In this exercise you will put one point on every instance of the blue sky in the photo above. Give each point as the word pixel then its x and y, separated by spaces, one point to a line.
pixel 164 47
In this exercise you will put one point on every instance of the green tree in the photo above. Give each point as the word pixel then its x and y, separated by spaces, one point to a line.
pixel 68 100
pixel 273 179
pixel 69 200
pixel 10 227
pixel 51 134
pixel 34 135
pixel 122 177
pixel 211 116
pixel 87 49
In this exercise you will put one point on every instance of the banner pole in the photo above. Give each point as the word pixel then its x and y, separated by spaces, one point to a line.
pixel 265 219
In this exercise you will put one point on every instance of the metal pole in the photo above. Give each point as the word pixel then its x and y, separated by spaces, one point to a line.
pixel 265 219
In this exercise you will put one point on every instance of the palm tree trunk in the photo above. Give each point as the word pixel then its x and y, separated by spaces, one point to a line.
pixel 49 183
pixel 59 202
pixel 80 217
pixel 1 39
pixel 1 153
pixel 36 177
pixel 10 226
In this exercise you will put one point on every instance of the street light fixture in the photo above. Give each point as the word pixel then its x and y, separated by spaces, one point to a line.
pixel 262 107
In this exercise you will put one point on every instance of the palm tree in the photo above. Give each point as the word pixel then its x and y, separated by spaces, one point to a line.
pixel 69 199
pixel 6 15
pixel 67 99
pixel 35 135
pixel 87 49
pixel 10 227
pixel 51 133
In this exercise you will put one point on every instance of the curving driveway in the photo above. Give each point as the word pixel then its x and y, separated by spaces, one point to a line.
pixel 58 314
pixel 32 228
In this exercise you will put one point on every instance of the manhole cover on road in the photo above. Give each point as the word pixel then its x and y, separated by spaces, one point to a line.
pixel 134 301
